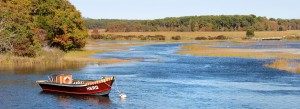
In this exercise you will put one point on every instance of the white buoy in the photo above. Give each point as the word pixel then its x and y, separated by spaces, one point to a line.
pixel 123 95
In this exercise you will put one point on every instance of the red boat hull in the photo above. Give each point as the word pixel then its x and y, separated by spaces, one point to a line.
pixel 95 89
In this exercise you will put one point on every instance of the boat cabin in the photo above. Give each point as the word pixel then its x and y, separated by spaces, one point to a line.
pixel 62 78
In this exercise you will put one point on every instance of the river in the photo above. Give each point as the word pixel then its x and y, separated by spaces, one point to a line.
pixel 164 79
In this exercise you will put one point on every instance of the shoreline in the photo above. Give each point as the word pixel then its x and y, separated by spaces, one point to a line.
pixel 192 35
pixel 58 56
pixel 56 59
pixel 286 65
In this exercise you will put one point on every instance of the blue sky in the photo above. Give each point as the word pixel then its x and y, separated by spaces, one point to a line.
pixel 154 9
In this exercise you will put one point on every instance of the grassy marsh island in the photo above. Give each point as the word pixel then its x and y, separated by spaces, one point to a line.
pixel 285 58
pixel 217 49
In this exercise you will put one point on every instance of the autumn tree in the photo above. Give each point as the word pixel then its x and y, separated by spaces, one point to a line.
pixel 38 23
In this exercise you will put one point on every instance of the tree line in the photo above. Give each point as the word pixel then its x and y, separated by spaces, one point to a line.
pixel 195 23
pixel 29 25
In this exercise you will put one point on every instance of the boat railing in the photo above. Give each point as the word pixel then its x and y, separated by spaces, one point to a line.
pixel 103 80
pixel 86 82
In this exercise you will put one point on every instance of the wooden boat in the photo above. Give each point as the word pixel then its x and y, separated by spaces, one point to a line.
pixel 64 83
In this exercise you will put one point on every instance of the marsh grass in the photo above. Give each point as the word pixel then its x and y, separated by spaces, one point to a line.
pixel 58 57
pixel 46 60
pixel 285 64
pixel 50 61
pixel 43 57
pixel 54 59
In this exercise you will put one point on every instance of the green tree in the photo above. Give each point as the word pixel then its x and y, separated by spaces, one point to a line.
pixel 250 32
pixel 196 27
pixel 195 23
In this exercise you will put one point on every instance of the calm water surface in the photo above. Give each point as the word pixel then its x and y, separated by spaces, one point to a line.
pixel 165 80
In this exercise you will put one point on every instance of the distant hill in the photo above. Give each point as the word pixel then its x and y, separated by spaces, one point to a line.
pixel 195 23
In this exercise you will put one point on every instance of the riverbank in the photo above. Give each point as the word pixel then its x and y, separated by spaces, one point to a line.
pixel 194 35
pixel 57 56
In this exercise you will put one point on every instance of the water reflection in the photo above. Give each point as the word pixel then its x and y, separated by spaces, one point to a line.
pixel 65 99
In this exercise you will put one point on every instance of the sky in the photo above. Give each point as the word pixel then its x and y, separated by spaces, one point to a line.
pixel 155 9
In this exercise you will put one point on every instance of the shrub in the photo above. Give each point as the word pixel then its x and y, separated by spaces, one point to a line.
pixel 160 37
pixel 67 43
pixel 221 37
pixel 22 48
pixel 141 37
pixel 200 38
pixel 95 32
pixel 176 38
pixel 292 37
pixel 280 28
pixel 210 38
